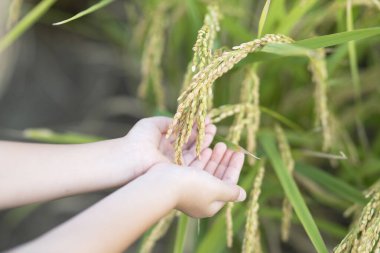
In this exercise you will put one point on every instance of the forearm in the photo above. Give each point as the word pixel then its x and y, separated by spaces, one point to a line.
pixel 37 172
pixel 112 224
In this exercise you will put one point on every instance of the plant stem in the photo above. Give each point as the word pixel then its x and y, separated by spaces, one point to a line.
pixel 25 23
pixel 181 233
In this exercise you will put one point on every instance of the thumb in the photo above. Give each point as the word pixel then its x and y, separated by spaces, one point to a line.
pixel 231 193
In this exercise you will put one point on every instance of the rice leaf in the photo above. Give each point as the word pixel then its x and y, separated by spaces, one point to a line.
pixel 295 16
pixel 89 10
pixel 25 23
pixel 331 183
pixel 338 38
pixel 49 136
pixel 263 17
pixel 292 193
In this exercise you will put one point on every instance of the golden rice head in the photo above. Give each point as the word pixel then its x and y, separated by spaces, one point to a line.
pixel 236 129
pixel 253 111
pixel 203 47
pixel 251 241
pixel 318 69
pixel 365 234
pixel 229 224
pixel 158 232
pixel 287 213
pixel 201 119
pixel 205 78
pixel 151 60
pixel 225 111
pixel 287 157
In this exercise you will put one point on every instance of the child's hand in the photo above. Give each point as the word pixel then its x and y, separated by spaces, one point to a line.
pixel 146 144
pixel 207 184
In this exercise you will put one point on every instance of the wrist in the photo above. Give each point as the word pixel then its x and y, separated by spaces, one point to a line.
pixel 167 178
pixel 111 159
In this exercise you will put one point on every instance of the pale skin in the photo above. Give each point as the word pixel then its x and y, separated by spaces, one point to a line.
pixel 140 162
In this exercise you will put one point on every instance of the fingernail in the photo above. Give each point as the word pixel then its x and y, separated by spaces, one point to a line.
pixel 242 195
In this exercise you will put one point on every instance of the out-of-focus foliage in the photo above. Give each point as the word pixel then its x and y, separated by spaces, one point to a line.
pixel 326 101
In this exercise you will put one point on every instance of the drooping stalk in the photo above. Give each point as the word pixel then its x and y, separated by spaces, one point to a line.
pixel 25 23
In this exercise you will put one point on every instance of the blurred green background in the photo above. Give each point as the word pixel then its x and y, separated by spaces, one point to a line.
pixel 83 76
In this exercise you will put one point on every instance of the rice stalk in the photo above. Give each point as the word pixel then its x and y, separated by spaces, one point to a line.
pixel 14 12
pixel 251 241
pixel 158 232
pixel 286 156
pixel 151 70
pixel 203 80
pixel 247 116
pixel 318 70
pixel 365 234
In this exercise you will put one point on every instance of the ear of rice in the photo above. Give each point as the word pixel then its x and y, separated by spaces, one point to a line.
pixel 151 70
pixel 318 69
pixel 251 241
pixel 158 231
pixel 365 234
pixel 205 78
pixel 286 156
pixel 229 224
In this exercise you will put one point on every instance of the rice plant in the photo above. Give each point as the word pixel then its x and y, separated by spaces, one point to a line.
pixel 293 83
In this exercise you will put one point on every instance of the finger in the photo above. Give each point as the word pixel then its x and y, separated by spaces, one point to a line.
pixel 216 157
pixel 219 172
pixel 231 193
pixel 189 155
pixel 215 207
pixel 210 131
pixel 201 163
pixel 209 136
pixel 233 170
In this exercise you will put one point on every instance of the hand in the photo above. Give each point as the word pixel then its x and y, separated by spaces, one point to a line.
pixel 207 184
pixel 147 145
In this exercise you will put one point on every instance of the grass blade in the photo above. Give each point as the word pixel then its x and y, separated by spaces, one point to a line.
pixel 25 23
pixel 338 38
pixel 181 233
pixel 89 10
pixel 48 136
pixel 295 15
pixel 292 192
pixel 263 17
pixel 352 51
pixel 332 184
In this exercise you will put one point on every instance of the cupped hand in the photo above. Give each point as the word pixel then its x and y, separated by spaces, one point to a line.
pixel 147 145
pixel 203 187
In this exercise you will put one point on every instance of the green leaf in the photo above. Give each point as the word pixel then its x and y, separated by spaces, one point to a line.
pixel 48 136
pixel 303 47
pixel 338 38
pixel 25 23
pixel 332 184
pixel 263 17
pixel 89 10
pixel 292 193
pixel 295 15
